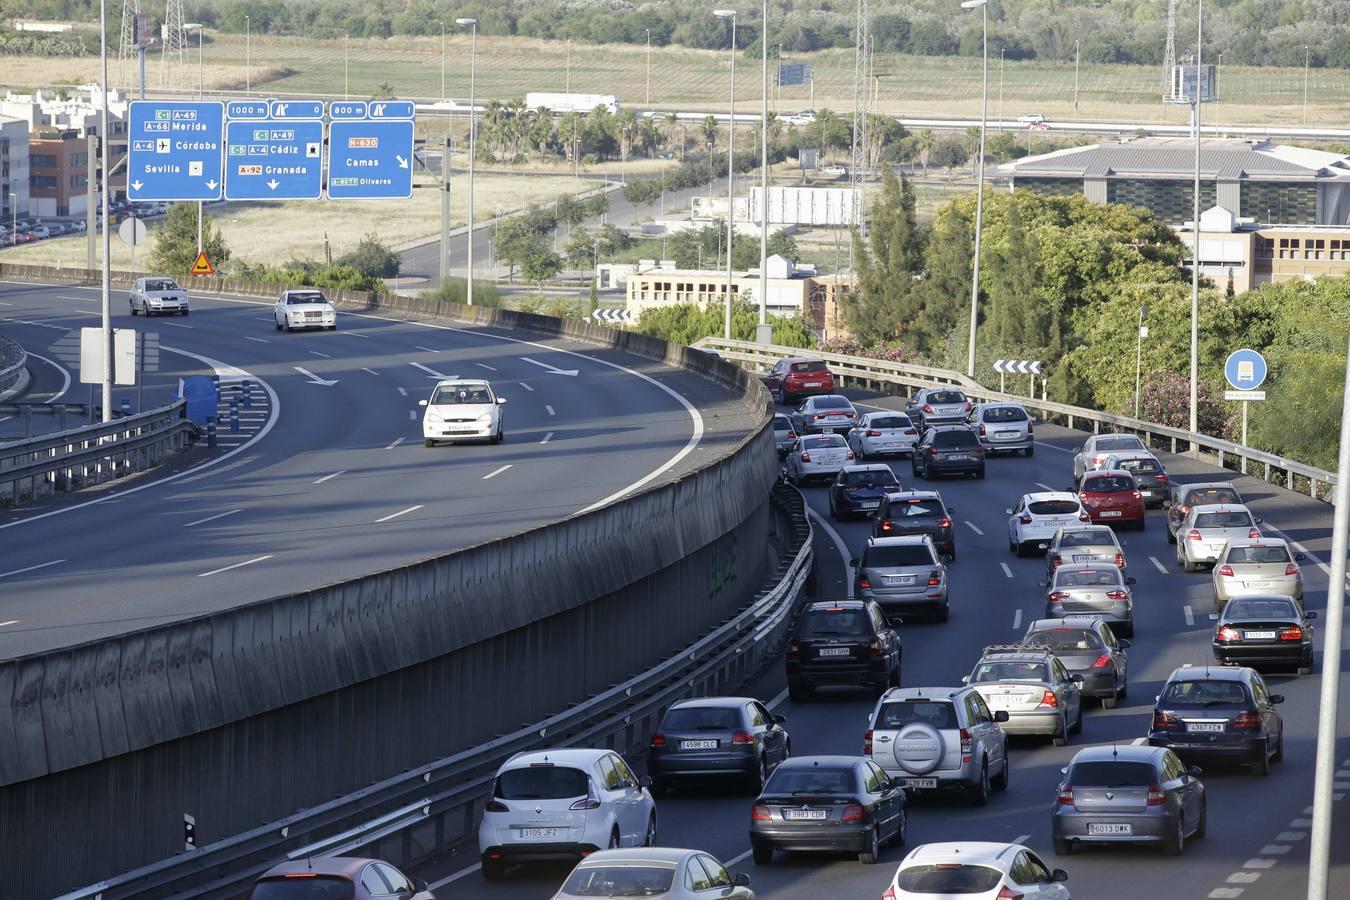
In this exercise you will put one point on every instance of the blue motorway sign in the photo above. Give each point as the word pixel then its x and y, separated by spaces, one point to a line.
pixel 391 109
pixel 1245 369
pixel 274 160
pixel 246 109
pixel 347 109
pixel 175 150
pixel 370 159
pixel 296 109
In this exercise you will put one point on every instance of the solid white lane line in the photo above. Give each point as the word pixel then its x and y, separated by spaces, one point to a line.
pixel 55 562
pixel 329 477
pixel 1189 614
pixel 975 528
pixel 403 392
pixel 437 885
pixel 737 858
pixel 485 366
pixel 1053 447
pixel 1006 571
pixel 396 442
pixel 371 371
pixel 81 299
pixel 401 512
pixel 65 376
pixel 1299 547
pixel 550 410
pixel 247 562
pixel 1017 620
pixel 212 518
pixel 834 536
pixel 9 622
pixel 317 353
pixel 546 438
pixel 259 340
pixel 355 334
pixel 177 325
pixel 1160 567
pixel 495 472
pixel 1021 839
pixel 525 386
pixel 428 349
pixel 1045 487
pixel 271 319
pixel 5 418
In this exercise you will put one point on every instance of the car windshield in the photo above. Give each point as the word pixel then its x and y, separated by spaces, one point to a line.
pixel 809 366
pixel 869 478
pixel 452 394
pixel 542 782
pixel 701 718
pixel 1206 496
pixel 1087 577
pixel 1053 507
pixel 834 623
pixel 911 509
pixel 1119 442
pixel 1261 609
pixel 1086 539
pixel 1203 693
pixel 938 713
pixel 832 403
pixel 812 780
pixel 781 423
pixel 295 298
pixel 823 442
pixel 987 672
pixel 962 439
pixel 946 397
pixel 320 887
pixel 890 422
pixel 1005 414
pixel 1064 640
pixel 1223 520
pixel 161 284
pixel 882 556
pixel 619 881
pixel 1258 555
pixel 1142 466
pixel 1108 484
pixel 948 878
pixel 1112 773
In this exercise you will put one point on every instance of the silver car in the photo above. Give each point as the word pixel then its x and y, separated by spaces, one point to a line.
pixel 1095 588
pixel 783 435
pixel 1003 427
pixel 817 456
pixel 1123 794
pixel 937 406
pixel 1033 687
pixel 902 574
pixel 654 871
pixel 1087 646
pixel 1207 529
pixel 824 414
pixel 158 294
pixel 1095 450
pixel 1083 544
pixel 1248 568
pixel 1181 497
pixel 883 433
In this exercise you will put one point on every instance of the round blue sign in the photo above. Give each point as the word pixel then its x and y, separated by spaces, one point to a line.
pixel 1245 369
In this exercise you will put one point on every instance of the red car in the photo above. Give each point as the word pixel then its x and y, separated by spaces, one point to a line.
pixel 798 377
pixel 1112 497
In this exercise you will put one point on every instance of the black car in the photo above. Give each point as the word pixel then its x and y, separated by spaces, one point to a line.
pixel 716 737
pixel 1265 631
pixel 829 803
pixel 1219 713
pixel 857 490
pixel 917 512
pixel 948 450
pixel 843 642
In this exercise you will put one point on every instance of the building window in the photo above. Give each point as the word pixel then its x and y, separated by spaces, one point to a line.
pixel 1172 201
pixel 43 182
pixel 1051 187
pixel 42 160
pixel 1274 203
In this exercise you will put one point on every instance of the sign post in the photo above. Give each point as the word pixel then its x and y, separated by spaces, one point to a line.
pixel 132 232
pixel 1246 371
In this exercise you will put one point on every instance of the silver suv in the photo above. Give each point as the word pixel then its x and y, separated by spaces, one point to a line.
pixel 902 574
pixel 939 738
pixel 1003 426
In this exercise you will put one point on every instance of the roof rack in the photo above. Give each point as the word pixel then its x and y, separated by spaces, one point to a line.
pixel 1014 648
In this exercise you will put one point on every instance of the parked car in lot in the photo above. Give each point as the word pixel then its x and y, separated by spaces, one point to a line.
pixel 797 377
pixel 1083 544
pixel 817 456
pixel 1271 631
pixel 1087 646
pixel 1003 427
pixel 975 870
pixel 1095 450
pixel 1149 474
pixel 883 434
pixel 158 294
pixel 337 878
pixel 903 575
pixel 304 308
pixel 1033 687
pixel 716 738
pixel 1092 588
pixel 937 406
pixel 783 434
pixel 842 642
pixel 1258 567
pixel 1037 517
pixel 1123 794
pixel 857 490
pixel 948 450
pixel 1206 530
pixel 828 803
pixel 831 414
pixel 940 739
pixel 917 512
pixel 666 872
pixel 1181 497
pixel 1211 712
pixel 1111 497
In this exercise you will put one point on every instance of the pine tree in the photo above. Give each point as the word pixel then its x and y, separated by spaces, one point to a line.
pixel 945 290
pixel 1015 318
pixel 886 304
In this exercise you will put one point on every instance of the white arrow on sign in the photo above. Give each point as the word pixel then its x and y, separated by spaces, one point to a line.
pixel 402 163
pixel 212 184
pixel 273 184
pixel 136 185
pixel 432 373
pixel 552 369
pixel 315 379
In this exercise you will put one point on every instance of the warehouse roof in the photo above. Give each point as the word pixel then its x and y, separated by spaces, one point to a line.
pixel 1175 158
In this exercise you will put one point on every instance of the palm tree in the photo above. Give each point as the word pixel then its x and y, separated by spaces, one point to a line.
pixel 628 129
pixel 709 128
pixel 925 143
pixel 648 136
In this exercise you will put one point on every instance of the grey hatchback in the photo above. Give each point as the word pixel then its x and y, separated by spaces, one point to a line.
pixel 1088 647
pixel 902 574
pixel 712 737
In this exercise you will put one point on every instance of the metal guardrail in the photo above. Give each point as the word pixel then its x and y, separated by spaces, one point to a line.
pixel 61 412
pixel 78 457
pixel 1276 469
pixel 13 360
pixel 425 810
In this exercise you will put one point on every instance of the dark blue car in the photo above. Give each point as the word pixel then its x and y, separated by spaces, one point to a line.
pixel 857 490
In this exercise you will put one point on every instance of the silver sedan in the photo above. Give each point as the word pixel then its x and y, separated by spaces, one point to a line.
pixel 817 456
pixel 654 871
pixel 881 433
pixel 1084 544
pixel 1248 568
pixel 1095 588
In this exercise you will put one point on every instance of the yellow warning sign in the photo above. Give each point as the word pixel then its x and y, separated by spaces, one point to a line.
pixel 202 266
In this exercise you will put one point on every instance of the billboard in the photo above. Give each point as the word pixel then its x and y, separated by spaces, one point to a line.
pixel 1184 84
pixel 839 207
pixel 790 74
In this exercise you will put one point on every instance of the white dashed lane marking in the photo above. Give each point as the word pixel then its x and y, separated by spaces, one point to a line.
pixel 213 518
pixel 546 438
pixel 1045 487
pixel 396 442
pixel 1006 571
pixel 549 409
pixel 54 562
pixel 428 349
pixel 485 366
pixel 1258 863
pixel 317 353
pixel 401 512
pixel 975 528
pixel 1157 564
pixel 495 472
pixel 240 565
pixel 330 477
pixel 525 386
pixel 403 392
pixel 371 371
pixel 1189 614
pixel 1017 620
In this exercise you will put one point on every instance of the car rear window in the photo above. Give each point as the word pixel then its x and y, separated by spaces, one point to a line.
pixel 1005 414
pixel 320 887
pixel 832 403
pixel 1064 640
pixel 1053 507
pixel 1223 520
pixel 938 713
pixel 815 780
pixel 813 365
pixel 904 555
pixel 1258 555
pixel 782 423
pixel 946 397
pixel 891 422
pixel 1142 466
pixel 1206 496
pixel 1087 577
pixel 1203 693
pixel 823 442
pixel 541 783
pixel 948 878
pixel 1112 773
pixel 1120 442
pixel 869 478
pixel 911 509
pixel 963 439
pixel 1108 484
pixel 987 672
pixel 702 718
pixel 619 881
pixel 1260 609
pixel 834 623
pixel 1086 539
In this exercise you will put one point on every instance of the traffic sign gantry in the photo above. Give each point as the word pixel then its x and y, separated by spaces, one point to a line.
pixel 1245 369
pixel 274 159
pixel 370 158
pixel 175 150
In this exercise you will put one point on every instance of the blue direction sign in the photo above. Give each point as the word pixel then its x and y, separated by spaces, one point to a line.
pixel 347 109
pixel 274 160
pixel 174 150
pixel 296 109
pixel 370 159
pixel 391 109
pixel 1245 369
pixel 246 109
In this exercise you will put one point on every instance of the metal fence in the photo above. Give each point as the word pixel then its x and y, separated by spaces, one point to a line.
pixel 425 810
pixel 887 376
pixel 13 362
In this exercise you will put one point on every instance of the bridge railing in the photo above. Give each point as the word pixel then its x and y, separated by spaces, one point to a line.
pixel 13 361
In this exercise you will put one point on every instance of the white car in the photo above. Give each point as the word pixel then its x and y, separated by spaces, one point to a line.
pixel 817 456
pixel 975 870
pixel 462 408
pixel 1037 517
pixel 304 308
pixel 1208 528
pixel 1096 449
pixel 834 171
pixel 158 294
pixel 1031 119
pixel 562 805
pixel 1257 568
pixel 880 433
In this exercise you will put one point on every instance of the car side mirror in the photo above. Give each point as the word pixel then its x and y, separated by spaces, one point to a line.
pixel 1131 580
pixel 1125 643
pixel 740 879
pixel 1076 678
pixel 1058 876
pixel 1008 512
pixel 999 716
pixel 1064 770
pixel 1277 698
pixel 1257 519
pixel 779 720
pixel 420 885
pixel 501 400
pixel 1043 583
pixel 1195 771
pixel 1157 698
pixel 1167 504
pixel 1310 614
pixel 1299 557
pixel 947 559
pixel 965 679
pixel 1077 449
pixel 951 510
pixel 421 403
pixel 645 781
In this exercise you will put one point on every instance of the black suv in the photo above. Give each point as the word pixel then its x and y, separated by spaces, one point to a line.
pixel 948 450
pixel 1221 713
pixel 917 512
pixel 842 642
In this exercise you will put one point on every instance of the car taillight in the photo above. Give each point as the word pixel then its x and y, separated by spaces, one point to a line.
pixel 1058 596
pixel 1248 721
pixel 876 646
pixel 848 454
pixel 979 449
pixel 1156 796
pixel 982 431
pixel 1120 560
pixel 852 813
pixel 1102 661
pixel 944 522
pixel 967 746
pixel 911 431
pixel 932 451
pixel 740 738
pixel 588 803
pixel 495 805
pixel 1291 569
pixel 1117 595
pixel 874 434
pixel 1048 698
pixel 818 416
pixel 1292 633
pixel 806 457
pixel 792 651
pixel 1066 795
pixel 1226 571
pixel 864 584
pixel 1137 495
pixel 1193 535
pixel 1025 519
pixel 927 408
pixel 792 436
pixel 969 406
pixel 658 740
pixel 887 525
pixel 888 894
pixel 1083 517
pixel 1161 479
pixel 1228 634
pixel 867 742
pixel 1008 893
pixel 1030 427
pixel 760 814
pixel 934 578
pixel 1056 561
pixel 1253 533
pixel 1163 721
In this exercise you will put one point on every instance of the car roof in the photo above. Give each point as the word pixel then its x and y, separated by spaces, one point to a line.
pixel 345 866
pixel 464 382
pixel 1133 454
pixel 924 693
pixel 1207 485
pixel 1078 620
pixel 1107 434
pixel 566 756
pixel 807 762
pixel 1209 673
pixel 711 702
pixel 1125 751
pixel 1049 495
pixel 1093 529
pixel 1258 542
pixel 1004 651
pixel 970 852
pixel 950 427
pixel 1220 507
pixel 666 856
pixel 815 397
pixel 793 359
pixel 871 467
pixel 913 495
pixel 1098 473
pixel 899 540
pixel 1096 565
pixel 837 604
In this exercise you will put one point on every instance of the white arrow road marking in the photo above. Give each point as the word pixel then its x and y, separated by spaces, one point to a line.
pixel 55 562
pixel 432 373
pixel 552 369
pixel 315 379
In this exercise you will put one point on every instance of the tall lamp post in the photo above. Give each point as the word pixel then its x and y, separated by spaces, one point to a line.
pixel 765 334
pixel 1195 227
pixel 198 27
pixel 1307 61
pixel 105 299
pixel 473 142
pixel 731 147
pixel 248 54
pixel 983 6
pixel 442 60
pixel 1075 78
pixel 649 67
pixel 1002 50
pixel 1139 358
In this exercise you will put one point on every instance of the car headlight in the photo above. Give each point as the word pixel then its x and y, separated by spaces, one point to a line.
pixel 433 417
pixel 485 419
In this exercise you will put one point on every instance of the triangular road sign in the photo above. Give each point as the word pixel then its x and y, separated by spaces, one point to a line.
pixel 202 266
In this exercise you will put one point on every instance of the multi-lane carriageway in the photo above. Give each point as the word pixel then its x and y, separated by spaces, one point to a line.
pixel 1257 844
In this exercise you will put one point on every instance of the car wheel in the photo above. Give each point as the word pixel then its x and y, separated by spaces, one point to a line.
pixel 277 324
pixel 615 842
pixel 1122 690
pixel 754 782
pixel 1001 782
pixel 1176 843
pixel 979 791
pixel 798 692
pixel 650 839
pixel 834 511
pixel 1261 764
pixel 1063 847
pixel 869 854
pixel 1189 566
pixel 761 853
pixel 1306 666
pixel 133 309
pixel 1030 451
pixel 1061 737
pixel 493 869
pixel 1109 702
pixel 660 788
pixel 1078 722
pixel 428 442
pixel 1020 549
pixel 945 613
pixel 979 474
pixel 1204 823
pixel 901 831
pixel 186 311
pixel 1279 750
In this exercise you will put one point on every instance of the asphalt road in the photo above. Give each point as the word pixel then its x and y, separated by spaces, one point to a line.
pixel 340 485
pixel 1257 844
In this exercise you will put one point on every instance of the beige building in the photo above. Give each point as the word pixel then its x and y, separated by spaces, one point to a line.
pixel 1252 254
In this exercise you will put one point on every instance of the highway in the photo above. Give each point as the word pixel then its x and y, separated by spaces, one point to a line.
pixel 1256 848
pixel 335 482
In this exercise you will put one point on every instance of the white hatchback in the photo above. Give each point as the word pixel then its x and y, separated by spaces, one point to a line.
pixel 460 409
pixel 976 869
pixel 563 805
pixel 1037 517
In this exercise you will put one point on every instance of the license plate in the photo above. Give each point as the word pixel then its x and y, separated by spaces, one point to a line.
pixel 1205 727
pixel 899 579
pixel 1259 635
pixel 1005 700
pixel 892 445
pixel 1095 828
pixel 1257 584
pixel 1108 513
pixel 919 782
pixel 957 457
pixel 1084 557
pixel 834 651
pixel 1005 435
pixel 811 384
pixel 870 504
pixel 800 814
pixel 540 832
pixel 1146 492
pixel 698 745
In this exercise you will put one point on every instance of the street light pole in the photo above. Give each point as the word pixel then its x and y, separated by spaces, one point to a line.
pixel 1075 78
pixel 983 6
pixel 764 170
pixel 1002 50
pixel 1138 359
pixel 1307 60
pixel 649 67
pixel 105 298
pixel 1195 229
pixel 346 94
pixel 248 54
pixel 442 60
pixel 568 88
pixel 731 147
pixel 473 142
